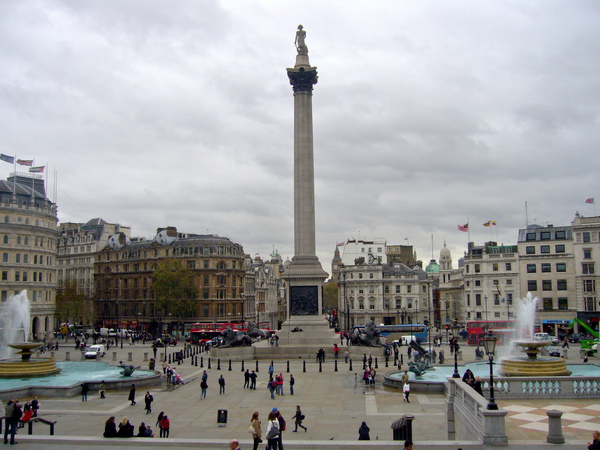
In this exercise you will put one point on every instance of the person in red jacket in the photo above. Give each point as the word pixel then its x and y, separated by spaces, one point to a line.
pixel 164 425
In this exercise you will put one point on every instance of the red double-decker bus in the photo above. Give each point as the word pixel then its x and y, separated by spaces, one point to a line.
pixel 502 329
pixel 204 332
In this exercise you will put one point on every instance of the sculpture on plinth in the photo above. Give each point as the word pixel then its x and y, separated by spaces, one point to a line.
pixel 232 339
pixel 128 369
pixel 369 336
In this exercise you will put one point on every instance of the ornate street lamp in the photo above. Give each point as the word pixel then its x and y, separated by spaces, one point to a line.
pixel 456 347
pixel 489 343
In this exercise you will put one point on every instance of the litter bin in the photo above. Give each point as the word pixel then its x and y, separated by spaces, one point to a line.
pixel 222 417
pixel 402 428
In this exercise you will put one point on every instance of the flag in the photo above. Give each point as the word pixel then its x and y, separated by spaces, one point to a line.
pixel 7 158
pixel 488 223
pixel 38 169
pixel 340 244
pixel 25 162
pixel 589 200
pixel 493 222
pixel 464 227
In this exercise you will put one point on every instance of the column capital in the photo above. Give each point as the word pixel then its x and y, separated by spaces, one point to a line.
pixel 301 79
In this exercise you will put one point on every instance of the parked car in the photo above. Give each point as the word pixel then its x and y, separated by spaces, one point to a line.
pixel 575 337
pixel 553 351
pixel 95 351
pixel 542 337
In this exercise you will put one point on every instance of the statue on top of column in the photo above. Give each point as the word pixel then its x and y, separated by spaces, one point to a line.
pixel 299 42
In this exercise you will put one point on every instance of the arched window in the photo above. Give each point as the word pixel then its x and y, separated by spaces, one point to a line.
pixel 18 240
pixel 6 219
pixel 6 239
pixel 5 257
pixel 25 258
pixel 26 240
pixel 18 258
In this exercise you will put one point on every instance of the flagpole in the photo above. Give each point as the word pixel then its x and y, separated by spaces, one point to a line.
pixel 468 232
pixel 15 175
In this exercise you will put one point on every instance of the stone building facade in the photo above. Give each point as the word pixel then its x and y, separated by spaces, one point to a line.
pixel 124 274
pixel 28 234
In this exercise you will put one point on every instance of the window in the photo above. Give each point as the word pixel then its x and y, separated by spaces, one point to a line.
pixel 495 267
pixel 17 276
pixel 545 236
pixel 509 282
pixel 477 268
pixel 546 285
pixel 496 299
pixel 589 303
pixel 496 315
pixel 360 275
pixel 530 250
pixel 205 294
pixel 361 304
pixel 398 303
pixel 6 239
pixel 546 267
pixel 560 234
pixel 397 289
pixel 530 237
pixel 386 289
pixel 561 267
pixel 371 289
pixel 5 257
pixel 18 260
pixel 531 285
pixel 587 253
pixel 477 282
pixel 561 285
pixel 508 267
pixel 586 236
pixel 544 249
pixel 371 275
pixel 372 304
pixel 586 268
pixel 5 275
pixel 547 304
pixel 409 289
pixel 477 299
pixel 563 303
pixel 589 285
pixel 531 268
pixel 468 299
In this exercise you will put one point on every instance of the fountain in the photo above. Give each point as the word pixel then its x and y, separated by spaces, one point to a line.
pixel 15 324
pixel 532 364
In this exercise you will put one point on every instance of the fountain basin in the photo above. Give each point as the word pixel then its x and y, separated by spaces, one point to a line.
pixel 542 366
pixel 33 367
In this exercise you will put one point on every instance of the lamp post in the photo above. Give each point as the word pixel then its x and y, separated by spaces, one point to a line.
pixel 489 343
pixel 485 306
pixel 456 347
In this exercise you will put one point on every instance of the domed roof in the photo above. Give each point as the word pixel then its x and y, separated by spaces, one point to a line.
pixel 445 252
pixel 432 267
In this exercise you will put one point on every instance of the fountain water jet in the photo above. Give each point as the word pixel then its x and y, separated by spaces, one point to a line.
pixel 532 364
pixel 16 318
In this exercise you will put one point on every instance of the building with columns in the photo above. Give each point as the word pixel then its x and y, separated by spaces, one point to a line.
pixel 28 257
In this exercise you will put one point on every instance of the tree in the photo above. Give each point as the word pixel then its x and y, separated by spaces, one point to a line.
pixel 174 289
pixel 330 295
pixel 71 305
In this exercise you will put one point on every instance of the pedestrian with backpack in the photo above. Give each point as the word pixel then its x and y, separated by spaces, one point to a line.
pixel 282 426
pixel 298 418
pixel 13 413
pixel 273 432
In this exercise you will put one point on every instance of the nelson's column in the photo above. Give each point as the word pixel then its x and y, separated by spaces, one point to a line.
pixel 304 275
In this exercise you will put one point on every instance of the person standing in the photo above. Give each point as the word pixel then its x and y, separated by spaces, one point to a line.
pixel 363 432
pixel 336 350
pixel 406 389
pixel 346 355
pixel 221 385
pixel 273 432
pixel 280 384
pixel 257 432
pixel 102 390
pixel 35 405
pixel 131 397
pixel 205 376
pixel 298 418
pixel 148 399
pixel 292 382
pixel 203 387
pixel 281 421
pixel 594 445
pixel 84 391
pixel 12 412
pixel 246 378
pixel 253 377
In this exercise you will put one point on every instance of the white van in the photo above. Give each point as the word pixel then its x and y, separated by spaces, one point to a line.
pixel 95 351
pixel 541 337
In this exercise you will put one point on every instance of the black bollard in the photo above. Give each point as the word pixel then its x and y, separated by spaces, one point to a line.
pixel 350 366
pixel 395 359
pixel 376 366
pixel 335 370
pixel 242 365
pixel 320 367
pixel 202 361
pixel 401 359
pixel 304 366
pixel 229 365
pixel 209 363
pixel 218 363
pixel 196 361
pixel 256 367
pixel 288 367
pixel 169 359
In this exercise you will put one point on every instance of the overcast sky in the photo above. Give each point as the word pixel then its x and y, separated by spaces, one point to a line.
pixel 426 115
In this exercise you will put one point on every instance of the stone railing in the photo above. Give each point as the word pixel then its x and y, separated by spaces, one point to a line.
pixel 468 418
pixel 551 387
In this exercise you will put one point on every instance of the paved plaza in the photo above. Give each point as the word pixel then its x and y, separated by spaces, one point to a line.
pixel 335 404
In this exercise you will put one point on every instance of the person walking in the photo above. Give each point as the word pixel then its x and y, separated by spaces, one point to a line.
pixel 272 431
pixel 253 377
pixel 203 387
pixel 131 397
pixel 363 432
pixel 565 342
pixel 148 399
pixel 298 418
pixel 221 385
pixel 346 356
pixel 292 382
pixel 256 430
pixel 84 391
pixel 406 390
pixel 102 390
